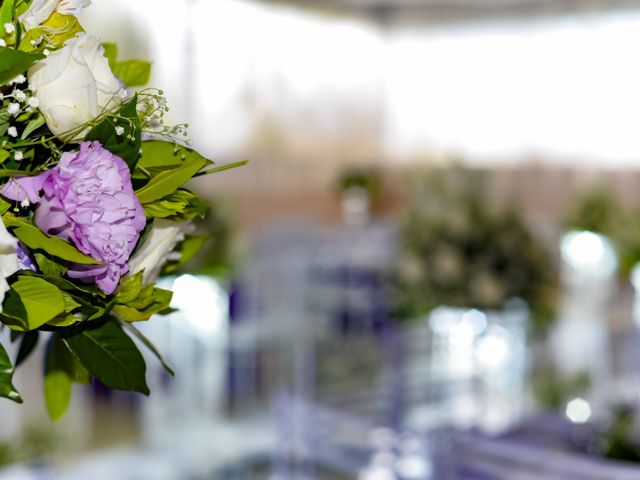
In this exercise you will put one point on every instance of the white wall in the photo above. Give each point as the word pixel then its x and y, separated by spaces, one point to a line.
pixel 568 88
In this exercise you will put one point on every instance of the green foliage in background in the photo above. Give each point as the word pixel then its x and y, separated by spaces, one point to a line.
pixel 598 210
pixel 457 250
pixel 367 178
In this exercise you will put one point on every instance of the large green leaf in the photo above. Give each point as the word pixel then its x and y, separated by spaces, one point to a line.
pixel 111 53
pixel 14 62
pixel 42 301
pixel 133 73
pixel 126 145
pixel 111 356
pixel 6 11
pixel 7 390
pixel 57 383
pixel 169 181
pixel 61 371
pixel 35 239
pixel 27 346
pixel 156 153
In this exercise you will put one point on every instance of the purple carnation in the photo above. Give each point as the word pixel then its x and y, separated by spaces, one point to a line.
pixel 87 199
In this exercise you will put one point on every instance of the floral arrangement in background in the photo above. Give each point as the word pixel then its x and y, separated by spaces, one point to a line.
pixel 456 250
pixel 92 201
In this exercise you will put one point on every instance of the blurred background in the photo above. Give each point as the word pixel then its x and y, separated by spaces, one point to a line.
pixel 428 271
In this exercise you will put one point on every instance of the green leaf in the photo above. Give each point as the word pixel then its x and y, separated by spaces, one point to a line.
pixel 130 289
pixel 127 145
pixel 28 344
pixel 14 314
pixel 35 239
pixel 111 356
pixel 169 181
pixel 67 286
pixel 4 155
pixel 111 53
pixel 67 318
pixel 7 390
pixel 4 173
pixel 42 300
pixel 4 206
pixel 57 383
pixel 6 12
pixel 180 206
pixel 32 126
pixel 188 249
pixel 14 62
pixel 32 35
pixel 69 303
pixel 47 266
pixel 222 168
pixel 156 153
pixel 150 301
pixel 64 320
pixel 133 73
pixel 61 371
pixel 147 343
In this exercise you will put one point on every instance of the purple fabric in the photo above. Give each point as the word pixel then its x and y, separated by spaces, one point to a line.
pixel 87 199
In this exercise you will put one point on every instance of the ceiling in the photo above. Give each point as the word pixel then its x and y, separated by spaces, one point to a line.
pixel 441 11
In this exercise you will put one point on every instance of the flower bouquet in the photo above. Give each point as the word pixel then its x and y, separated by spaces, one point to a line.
pixel 458 250
pixel 92 201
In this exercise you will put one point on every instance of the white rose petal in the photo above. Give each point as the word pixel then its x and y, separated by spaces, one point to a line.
pixel 157 248
pixel 72 7
pixel 74 85
pixel 8 259
pixel 41 10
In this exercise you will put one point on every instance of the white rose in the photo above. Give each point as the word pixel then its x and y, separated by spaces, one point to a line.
pixel 8 259
pixel 74 85
pixel 41 10
pixel 157 248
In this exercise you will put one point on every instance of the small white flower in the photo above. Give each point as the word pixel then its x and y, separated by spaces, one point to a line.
pixel 18 80
pixel 119 131
pixel 14 108
pixel 19 95
pixel 25 203
pixel 9 27
pixel 2 42
pixel 19 156
pixel 33 102
pixel 46 52
pixel 12 132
